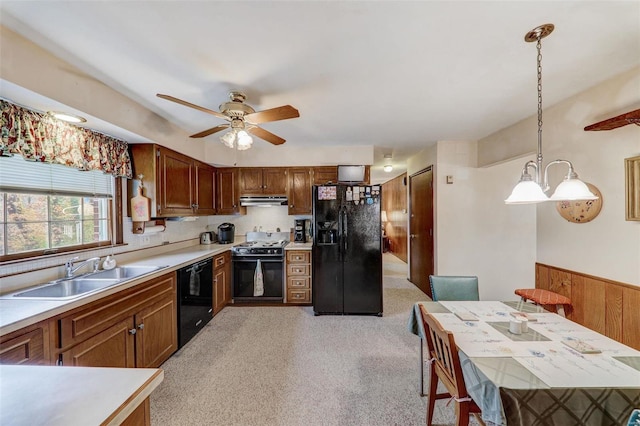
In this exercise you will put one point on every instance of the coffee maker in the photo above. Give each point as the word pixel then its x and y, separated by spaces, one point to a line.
pixel 299 231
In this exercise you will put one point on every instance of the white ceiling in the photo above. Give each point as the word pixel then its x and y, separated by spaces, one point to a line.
pixel 397 75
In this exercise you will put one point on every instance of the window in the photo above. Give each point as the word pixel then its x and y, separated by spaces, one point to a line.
pixel 51 208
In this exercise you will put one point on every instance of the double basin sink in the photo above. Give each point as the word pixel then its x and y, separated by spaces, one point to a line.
pixel 68 288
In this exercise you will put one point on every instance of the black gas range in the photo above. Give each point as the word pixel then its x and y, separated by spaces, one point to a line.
pixel 258 268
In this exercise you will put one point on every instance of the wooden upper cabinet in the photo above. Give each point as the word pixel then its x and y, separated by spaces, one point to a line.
pixel 227 196
pixel 299 194
pixel 205 189
pixel 322 175
pixel 263 181
pixel 176 184
pixel 177 181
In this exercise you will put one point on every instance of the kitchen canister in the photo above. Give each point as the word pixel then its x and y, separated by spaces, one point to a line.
pixel 515 326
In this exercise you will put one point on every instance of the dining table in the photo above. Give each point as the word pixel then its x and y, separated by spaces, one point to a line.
pixel 552 372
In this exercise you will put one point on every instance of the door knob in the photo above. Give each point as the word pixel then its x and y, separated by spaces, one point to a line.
pixel 141 326
pixel 132 331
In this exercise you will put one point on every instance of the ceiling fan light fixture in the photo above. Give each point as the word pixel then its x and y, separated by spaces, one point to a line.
pixel 228 139
pixel 244 141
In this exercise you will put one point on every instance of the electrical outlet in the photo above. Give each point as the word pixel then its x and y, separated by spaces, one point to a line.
pixel 145 240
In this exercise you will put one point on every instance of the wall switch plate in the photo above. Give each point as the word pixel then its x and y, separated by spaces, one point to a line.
pixel 449 179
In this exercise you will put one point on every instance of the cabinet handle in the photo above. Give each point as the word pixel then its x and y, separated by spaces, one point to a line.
pixel 132 331
pixel 290 206
pixel 141 326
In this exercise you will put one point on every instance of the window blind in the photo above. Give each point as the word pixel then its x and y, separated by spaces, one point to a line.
pixel 18 175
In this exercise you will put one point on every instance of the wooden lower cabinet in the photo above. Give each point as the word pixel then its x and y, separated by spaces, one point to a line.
pixel 113 347
pixel 298 277
pixel 221 281
pixel 141 416
pixel 133 328
pixel 28 346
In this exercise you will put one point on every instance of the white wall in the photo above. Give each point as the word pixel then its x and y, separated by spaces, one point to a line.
pixel 608 246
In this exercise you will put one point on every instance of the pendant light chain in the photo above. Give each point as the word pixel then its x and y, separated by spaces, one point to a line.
pixel 539 60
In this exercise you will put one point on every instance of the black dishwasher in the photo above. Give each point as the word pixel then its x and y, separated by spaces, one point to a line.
pixel 195 299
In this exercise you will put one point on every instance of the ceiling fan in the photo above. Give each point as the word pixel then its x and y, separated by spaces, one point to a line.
pixel 241 117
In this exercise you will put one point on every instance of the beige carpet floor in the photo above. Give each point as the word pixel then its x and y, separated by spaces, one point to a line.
pixel 283 366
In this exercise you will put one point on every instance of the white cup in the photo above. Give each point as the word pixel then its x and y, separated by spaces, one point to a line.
pixel 524 325
pixel 515 326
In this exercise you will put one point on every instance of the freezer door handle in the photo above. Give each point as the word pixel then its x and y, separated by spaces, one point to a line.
pixel 345 228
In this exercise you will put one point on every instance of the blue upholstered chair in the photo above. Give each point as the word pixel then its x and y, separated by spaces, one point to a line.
pixel 453 288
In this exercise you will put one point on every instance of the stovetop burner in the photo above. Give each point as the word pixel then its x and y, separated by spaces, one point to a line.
pixel 262 244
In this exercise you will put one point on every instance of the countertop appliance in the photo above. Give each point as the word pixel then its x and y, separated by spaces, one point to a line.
pixel 195 299
pixel 299 231
pixel 226 233
pixel 206 238
pixel 268 248
pixel 347 250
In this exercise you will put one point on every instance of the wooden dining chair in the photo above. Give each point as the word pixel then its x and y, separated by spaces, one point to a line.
pixel 445 366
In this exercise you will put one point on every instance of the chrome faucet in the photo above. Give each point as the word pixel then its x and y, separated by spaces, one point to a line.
pixel 70 269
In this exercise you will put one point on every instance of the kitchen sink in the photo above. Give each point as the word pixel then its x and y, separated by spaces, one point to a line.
pixel 126 272
pixel 75 287
pixel 68 288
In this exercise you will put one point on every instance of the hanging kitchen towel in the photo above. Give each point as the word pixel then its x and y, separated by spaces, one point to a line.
pixel 194 282
pixel 258 283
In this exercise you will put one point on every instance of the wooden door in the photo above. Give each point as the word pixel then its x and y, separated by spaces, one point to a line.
pixel 157 333
pixel 421 229
pixel 227 194
pixel 274 181
pixel 176 183
pixel 113 347
pixel 205 189
pixel 251 181
pixel 323 175
pixel 299 191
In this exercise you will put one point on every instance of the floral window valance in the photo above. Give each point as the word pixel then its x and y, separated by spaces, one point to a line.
pixel 40 137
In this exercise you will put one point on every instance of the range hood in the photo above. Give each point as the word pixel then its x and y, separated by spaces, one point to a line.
pixel 263 200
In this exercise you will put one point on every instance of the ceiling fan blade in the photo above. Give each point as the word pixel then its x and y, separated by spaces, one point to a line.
pixel 210 131
pixel 266 135
pixel 274 114
pixel 190 105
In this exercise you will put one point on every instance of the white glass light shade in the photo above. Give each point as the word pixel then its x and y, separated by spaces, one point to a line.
pixel 388 168
pixel 383 216
pixel 526 192
pixel 244 141
pixel 228 138
pixel 572 189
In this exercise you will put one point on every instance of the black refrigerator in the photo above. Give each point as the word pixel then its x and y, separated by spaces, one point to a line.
pixel 347 250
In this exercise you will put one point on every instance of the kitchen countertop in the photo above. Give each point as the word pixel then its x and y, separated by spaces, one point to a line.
pixel 17 313
pixel 68 396
pixel 299 246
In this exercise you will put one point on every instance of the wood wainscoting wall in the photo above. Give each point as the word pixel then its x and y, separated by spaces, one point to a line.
pixel 394 202
pixel 608 307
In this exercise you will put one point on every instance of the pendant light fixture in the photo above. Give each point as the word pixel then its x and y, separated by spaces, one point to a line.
pixel 531 189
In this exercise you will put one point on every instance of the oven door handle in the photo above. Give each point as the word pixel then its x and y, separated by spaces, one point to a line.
pixel 262 259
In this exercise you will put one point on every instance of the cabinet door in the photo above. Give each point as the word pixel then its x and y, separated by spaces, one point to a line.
pixel 274 181
pixel 323 175
pixel 114 347
pixel 219 284
pixel 251 181
pixel 176 183
pixel 299 191
pixel 157 333
pixel 227 194
pixel 205 189
pixel 25 347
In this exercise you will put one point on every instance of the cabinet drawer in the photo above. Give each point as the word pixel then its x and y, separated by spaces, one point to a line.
pixel 104 313
pixel 298 282
pixel 297 269
pixel 298 256
pixel 298 296
pixel 219 261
